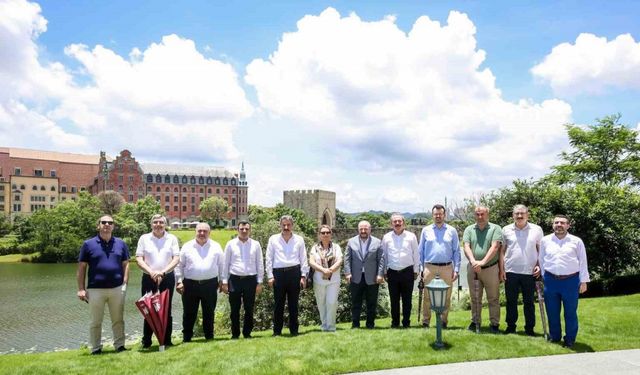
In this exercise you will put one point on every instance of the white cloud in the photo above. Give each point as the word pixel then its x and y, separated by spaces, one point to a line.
pixel 592 65
pixel 399 103
pixel 168 97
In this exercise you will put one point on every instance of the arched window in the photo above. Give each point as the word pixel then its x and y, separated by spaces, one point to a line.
pixel 167 179
pixel 209 180
pixel 149 178
pixel 184 189
pixel 201 180
pixel 167 189
pixel 158 189
pixel 176 179
pixel 192 180
pixel 42 188
pixel 158 179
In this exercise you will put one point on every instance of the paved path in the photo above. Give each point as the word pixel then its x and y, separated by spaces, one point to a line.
pixel 619 362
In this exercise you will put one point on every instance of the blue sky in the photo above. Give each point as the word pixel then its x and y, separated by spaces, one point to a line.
pixel 393 105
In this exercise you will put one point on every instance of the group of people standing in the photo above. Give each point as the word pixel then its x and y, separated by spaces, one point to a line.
pixel 199 270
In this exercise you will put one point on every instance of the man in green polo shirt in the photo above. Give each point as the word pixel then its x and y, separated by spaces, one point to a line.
pixel 482 242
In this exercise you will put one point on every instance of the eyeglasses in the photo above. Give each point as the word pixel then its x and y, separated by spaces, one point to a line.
pixel 106 222
pixel 325 232
pixel 159 222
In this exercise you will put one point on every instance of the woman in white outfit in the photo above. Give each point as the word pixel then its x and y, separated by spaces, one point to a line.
pixel 326 258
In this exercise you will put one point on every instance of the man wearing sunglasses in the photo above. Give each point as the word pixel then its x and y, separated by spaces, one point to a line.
pixel 107 259
pixel 157 255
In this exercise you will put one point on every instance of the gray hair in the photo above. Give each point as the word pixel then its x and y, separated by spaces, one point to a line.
pixel 520 207
pixel 203 224
pixel 287 218
pixel 158 216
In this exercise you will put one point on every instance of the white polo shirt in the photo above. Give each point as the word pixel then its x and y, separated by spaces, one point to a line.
pixel 157 252
pixel 521 253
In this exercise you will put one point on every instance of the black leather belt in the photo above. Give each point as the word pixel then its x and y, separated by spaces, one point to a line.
pixel 201 281
pixel 439 264
pixel 490 265
pixel 285 269
pixel 243 277
pixel 561 277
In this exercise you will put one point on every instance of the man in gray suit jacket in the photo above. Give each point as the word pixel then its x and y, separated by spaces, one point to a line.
pixel 364 268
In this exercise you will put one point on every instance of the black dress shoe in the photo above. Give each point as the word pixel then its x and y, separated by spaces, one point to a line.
pixel 494 328
pixel 247 336
pixel 510 330
pixel 276 334
pixel 568 344
pixel 121 349
pixel 96 352
pixel 472 327
pixel 235 337
pixel 529 332
pixel 444 325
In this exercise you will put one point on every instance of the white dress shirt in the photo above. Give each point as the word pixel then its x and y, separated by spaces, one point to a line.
pixel 200 262
pixel 157 252
pixel 521 254
pixel 401 251
pixel 564 256
pixel 243 259
pixel 282 254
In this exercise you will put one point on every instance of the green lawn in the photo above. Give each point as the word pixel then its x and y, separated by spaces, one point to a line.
pixel 605 324
pixel 221 236
pixel 15 258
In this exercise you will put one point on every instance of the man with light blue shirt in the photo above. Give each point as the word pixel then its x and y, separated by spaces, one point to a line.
pixel 439 249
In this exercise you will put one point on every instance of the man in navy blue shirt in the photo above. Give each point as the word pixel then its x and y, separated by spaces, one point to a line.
pixel 107 259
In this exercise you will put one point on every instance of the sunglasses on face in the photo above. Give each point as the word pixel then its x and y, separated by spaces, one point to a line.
pixel 158 222
pixel 325 232
pixel 106 222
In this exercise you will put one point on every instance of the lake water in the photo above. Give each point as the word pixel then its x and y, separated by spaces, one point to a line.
pixel 39 310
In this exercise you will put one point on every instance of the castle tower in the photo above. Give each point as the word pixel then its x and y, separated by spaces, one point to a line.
pixel 320 205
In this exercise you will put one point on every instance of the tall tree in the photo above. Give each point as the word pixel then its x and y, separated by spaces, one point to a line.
pixel 110 202
pixel 213 208
pixel 607 152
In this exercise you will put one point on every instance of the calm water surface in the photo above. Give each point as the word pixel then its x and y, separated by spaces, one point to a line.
pixel 39 310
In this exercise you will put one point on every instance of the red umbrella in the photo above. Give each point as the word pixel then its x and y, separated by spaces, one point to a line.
pixel 155 310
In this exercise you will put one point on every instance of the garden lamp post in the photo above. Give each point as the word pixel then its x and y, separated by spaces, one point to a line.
pixel 438 293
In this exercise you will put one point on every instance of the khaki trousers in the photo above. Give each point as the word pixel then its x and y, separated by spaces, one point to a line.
pixel 489 280
pixel 114 298
pixel 429 273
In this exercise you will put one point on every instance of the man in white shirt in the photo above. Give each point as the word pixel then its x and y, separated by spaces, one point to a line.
pixel 563 263
pixel 402 267
pixel 287 267
pixel 519 267
pixel 242 277
pixel 201 264
pixel 157 256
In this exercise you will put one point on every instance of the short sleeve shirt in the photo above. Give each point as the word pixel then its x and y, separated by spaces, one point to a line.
pixel 480 240
pixel 105 261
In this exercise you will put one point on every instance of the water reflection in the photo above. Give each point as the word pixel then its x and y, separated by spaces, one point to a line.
pixel 40 312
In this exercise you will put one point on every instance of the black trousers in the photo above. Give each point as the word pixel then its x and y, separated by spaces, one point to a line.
pixel 527 284
pixel 148 285
pixel 360 292
pixel 242 291
pixel 400 287
pixel 286 287
pixel 196 293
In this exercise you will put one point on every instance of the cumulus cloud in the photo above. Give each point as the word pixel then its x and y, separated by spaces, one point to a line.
pixel 403 102
pixel 170 97
pixel 592 65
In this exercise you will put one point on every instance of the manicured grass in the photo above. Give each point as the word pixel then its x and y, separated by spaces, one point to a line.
pixel 605 324
pixel 221 236
pixel 16 258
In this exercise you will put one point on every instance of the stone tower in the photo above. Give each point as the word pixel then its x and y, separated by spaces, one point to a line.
pixel 320 205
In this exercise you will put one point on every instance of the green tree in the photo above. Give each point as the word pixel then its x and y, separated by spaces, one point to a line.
pixel 5 224
pixel 110 202
pixel 608 152
pixel 134 220
pixel 213 208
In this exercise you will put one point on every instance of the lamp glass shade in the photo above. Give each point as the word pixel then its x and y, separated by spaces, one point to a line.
pixel 437 292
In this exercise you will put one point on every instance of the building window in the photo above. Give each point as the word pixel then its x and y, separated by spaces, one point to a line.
pixel 34 187
pixel 130 197
pixel 201 199
pixel 175 208
pixel 233 181
pixel 17 171
pixel 225 181
pixel 193 208
pixel 175 190
pixel 149 178
pixel 130 179
pixel 1 198
pixel 82 188
pixel 193 180
pixel 157 198
pixel 193 190
pixel 167 198
pixel 184 189
pixel 184 208
pixel 217 190
pixel 63 189
pixel 184 179
pixel 53 199
pixel 176 180
pixel 233 200
pixel 42 188
pixel 217 181
pixel 226 191
pixel 184 199
pixel 52 173
pixel 120 178
pixel 167 179
pixel 167 189
pixel 209 190
pixel 175 199
pixel 17 207
pixel 158 189
pixel 201 190
pixel 158 179
pixel 193 199
pixel 53 188
pixel 22 187
pixel 1 187
pixel 38 172
pixel 73 190
pixel 149 188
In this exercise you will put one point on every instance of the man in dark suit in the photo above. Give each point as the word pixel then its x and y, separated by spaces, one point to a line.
pixel 364 268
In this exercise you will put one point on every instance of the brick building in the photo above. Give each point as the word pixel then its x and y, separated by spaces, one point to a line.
pixel 32 180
